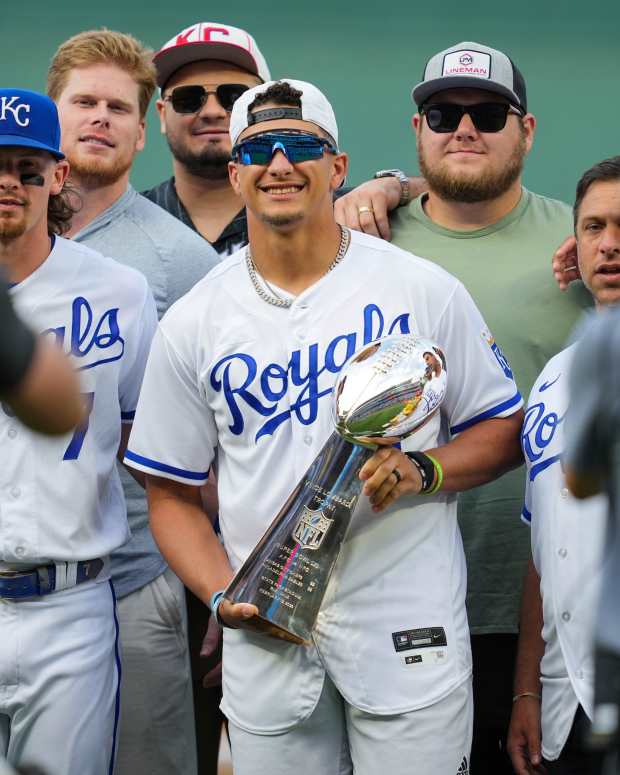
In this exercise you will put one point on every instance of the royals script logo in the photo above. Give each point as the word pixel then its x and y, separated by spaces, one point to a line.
pixel 541 445
pixel 93 341
pixel 311 529
pixel 249 389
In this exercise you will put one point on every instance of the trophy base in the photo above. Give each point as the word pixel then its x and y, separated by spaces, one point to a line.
pixel 260 624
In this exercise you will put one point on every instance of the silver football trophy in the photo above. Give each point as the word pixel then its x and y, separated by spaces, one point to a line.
pixel 385 391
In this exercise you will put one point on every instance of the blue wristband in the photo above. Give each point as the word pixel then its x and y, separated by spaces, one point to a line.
pixel 216 599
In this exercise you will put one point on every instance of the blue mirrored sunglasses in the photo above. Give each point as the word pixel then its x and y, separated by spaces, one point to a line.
pixel 296 148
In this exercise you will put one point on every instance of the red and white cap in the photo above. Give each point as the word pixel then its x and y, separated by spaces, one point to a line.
pixel 210 40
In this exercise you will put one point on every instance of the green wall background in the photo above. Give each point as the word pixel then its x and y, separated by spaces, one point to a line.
pixel 366 56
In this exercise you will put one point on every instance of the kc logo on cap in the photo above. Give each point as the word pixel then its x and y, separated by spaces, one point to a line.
pixel 11 106
pixel 29 120
pixel 210 40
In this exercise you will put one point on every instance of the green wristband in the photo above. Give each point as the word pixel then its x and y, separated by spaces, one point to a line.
pixel 439 471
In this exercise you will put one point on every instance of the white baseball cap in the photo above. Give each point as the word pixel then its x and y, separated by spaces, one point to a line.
pixel 210 40
pixel 315 107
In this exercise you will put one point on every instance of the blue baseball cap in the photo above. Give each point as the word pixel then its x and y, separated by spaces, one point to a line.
pixel 29 120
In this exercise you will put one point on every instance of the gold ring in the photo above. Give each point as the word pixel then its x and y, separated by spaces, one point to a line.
pixel 396 473
pixel 365 209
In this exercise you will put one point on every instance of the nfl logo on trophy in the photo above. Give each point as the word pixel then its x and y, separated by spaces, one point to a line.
pixel 311 528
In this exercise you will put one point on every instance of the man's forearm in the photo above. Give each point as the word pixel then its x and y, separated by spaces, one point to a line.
pixel 186 537
pixel 531 644
pixel 481 453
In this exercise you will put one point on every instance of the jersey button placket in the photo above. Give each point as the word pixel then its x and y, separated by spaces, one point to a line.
pixel 299 315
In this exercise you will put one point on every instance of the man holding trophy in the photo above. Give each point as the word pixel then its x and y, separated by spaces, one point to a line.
pixel 243 373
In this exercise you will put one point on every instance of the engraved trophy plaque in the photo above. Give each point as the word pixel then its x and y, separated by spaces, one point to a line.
pixel 384 392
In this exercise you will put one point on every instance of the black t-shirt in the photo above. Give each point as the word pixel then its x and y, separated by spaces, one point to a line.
pixel 234 236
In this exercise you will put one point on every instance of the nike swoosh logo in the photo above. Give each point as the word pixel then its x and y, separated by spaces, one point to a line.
pixel 547 385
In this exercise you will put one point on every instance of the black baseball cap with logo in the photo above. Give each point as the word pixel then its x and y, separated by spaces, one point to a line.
pixel 474 66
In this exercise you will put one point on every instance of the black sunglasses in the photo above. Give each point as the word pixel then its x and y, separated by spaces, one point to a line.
pixel 485 116
pixel 190 99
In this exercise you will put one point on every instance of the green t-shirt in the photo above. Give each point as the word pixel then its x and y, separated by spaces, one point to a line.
pixel 507 269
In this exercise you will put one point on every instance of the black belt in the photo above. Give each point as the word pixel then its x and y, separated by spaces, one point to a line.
pixel 42 580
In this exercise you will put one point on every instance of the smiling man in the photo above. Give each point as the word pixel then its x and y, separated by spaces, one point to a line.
pixel 62 503
pixel 103 82
pixel 245 365
pixel 473 132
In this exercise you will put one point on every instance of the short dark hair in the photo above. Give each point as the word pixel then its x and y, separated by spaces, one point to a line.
pixel 609 169
pixel 281 92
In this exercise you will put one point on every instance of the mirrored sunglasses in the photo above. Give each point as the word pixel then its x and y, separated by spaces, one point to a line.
pixel 190 99
pixel 485 116
pixel 296 147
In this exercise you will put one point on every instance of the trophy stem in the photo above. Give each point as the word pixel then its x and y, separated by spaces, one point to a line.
pixel 286 574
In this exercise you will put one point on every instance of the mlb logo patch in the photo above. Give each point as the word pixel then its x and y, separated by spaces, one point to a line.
pixel 473 63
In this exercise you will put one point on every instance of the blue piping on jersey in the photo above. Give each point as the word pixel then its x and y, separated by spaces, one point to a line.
pixel 526 515
pixel 486 415
pixel 145 461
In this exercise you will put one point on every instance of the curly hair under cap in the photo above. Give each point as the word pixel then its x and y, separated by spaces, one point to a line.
pixel 60 210
pixel 281 92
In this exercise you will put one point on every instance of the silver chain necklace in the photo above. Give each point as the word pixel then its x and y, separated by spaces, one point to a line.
pixel 274 298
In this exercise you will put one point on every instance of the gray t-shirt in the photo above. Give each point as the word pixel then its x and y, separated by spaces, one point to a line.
pixel 593 446
pixel 173 258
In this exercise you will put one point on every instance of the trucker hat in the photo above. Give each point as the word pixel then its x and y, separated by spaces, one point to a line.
pixel 474 66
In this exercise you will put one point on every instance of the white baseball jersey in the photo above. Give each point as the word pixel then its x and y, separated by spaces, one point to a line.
pixel 61 497
pixel 567 539
pixel 250 384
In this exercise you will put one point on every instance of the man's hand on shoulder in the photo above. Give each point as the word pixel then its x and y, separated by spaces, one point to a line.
pixel 564 263
pixel 367 207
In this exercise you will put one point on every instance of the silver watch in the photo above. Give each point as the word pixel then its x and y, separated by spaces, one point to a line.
pixel 405 195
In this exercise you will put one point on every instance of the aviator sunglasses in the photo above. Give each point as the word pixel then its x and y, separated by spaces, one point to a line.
pixel 485 116
pixel 296 147
pixel 190 99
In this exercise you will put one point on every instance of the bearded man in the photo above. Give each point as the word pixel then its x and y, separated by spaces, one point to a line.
pixel 201 72
pixel 473 132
